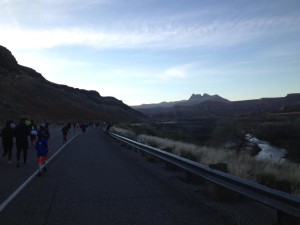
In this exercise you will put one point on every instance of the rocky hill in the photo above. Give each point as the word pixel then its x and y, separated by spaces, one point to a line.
pixel 26 93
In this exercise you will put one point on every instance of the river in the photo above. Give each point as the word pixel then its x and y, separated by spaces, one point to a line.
pixel 268 151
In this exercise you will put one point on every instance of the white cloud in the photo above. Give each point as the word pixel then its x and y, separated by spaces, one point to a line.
pixel 46 3
pixel 215 34
pixel 63 2
pixel 179 72
pixel 173 73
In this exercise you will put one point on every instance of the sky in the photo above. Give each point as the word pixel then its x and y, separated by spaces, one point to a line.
pixel 150 51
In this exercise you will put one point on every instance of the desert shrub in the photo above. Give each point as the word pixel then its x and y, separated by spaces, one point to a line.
pixel 189 155
pixel 195 131
pixel 294 151
pixel 143 129
pixel 229 130
pixel 294 145
pixel 203 154
pixel 274 133
pixel 201 134
pixel 123 132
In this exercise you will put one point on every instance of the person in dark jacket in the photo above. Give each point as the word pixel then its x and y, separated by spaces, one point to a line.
pixel 21 133
pixel 7 134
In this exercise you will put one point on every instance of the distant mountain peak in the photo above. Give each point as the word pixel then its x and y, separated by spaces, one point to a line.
pixel 193 100
pixel 204 97
pixel 194 96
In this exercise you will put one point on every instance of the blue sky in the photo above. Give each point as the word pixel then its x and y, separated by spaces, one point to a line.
pixel 149 51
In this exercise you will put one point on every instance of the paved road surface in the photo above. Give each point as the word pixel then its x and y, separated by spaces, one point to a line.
pixel 93 181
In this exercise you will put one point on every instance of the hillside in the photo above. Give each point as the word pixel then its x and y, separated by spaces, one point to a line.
pixel 26 93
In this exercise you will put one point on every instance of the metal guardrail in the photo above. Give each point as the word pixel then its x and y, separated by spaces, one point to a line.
pixel 282 201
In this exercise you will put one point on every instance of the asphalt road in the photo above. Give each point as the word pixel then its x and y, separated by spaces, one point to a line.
pixel 94 181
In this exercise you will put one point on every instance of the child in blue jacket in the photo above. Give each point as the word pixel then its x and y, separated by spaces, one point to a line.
pixel 42 149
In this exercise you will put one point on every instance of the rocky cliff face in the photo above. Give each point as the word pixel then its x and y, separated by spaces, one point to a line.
pixel 26 93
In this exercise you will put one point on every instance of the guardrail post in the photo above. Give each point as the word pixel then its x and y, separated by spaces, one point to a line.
pixel 285 219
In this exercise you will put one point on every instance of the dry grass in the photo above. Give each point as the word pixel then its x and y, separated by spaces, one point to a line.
pixel 242 164
pixel 123 132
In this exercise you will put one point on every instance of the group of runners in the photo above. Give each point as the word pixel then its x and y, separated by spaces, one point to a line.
pixel 38 137
pixel 68 126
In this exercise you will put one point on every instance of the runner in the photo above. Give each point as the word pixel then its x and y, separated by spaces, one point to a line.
pixel 44 128
pixel 64 131
pixel 47 131
pixel 83 127
pixel 7 134
pixel 21 133
pixel 42 150
pixel 33 133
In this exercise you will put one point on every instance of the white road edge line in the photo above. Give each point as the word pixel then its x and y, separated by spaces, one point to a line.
pixel 19 189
